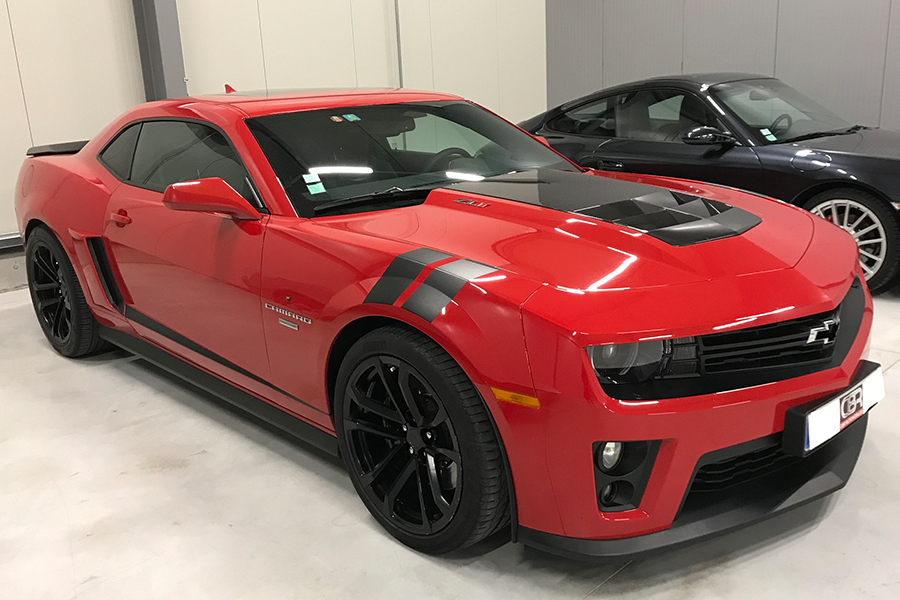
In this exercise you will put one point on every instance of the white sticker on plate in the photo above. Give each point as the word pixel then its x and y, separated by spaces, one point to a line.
pixel 831 418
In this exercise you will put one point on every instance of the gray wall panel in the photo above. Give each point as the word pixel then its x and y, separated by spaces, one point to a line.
pixel 834 51
pixel 641 38
pixel 730 35
pixel 574 49
pixel 890 107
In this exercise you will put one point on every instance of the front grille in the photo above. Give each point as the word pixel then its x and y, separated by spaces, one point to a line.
pixel 782 344
pixel 715 477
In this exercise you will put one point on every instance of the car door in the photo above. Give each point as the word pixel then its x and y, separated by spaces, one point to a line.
pixel 190 279
pixel 649 125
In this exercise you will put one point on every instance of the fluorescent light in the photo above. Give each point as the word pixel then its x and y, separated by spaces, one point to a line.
pixel 341 170
pixel 463 176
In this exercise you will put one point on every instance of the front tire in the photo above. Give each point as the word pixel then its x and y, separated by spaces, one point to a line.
pixel 874 226
pixel 418 442
pixel 57 297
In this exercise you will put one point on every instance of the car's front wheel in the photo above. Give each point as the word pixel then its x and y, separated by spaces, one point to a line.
pixel 418 442
pixel 874 226
pixel 58 299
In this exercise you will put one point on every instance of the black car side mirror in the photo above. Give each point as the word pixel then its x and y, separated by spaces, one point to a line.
pixel 708 136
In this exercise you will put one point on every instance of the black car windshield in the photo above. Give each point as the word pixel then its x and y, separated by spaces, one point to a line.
pixel 339 153
pixel 775 112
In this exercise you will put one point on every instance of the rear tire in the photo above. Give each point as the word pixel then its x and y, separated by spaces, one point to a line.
pixel 874 225
pixel 419 443
pixel 58 299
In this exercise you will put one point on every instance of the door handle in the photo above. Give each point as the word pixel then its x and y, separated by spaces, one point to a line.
pixel 609 165
pixel 120 218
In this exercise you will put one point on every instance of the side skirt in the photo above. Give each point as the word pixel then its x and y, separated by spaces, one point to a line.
pixel 212 384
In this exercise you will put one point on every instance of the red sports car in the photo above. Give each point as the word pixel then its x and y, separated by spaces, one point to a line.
pixel 490 338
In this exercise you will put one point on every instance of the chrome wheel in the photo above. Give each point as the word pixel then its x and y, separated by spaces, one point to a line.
pixel 51 294
pixel 402 445
pixel 865 227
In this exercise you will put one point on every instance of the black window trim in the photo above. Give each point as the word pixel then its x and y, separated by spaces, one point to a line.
pixel 263 208
pixel 723 123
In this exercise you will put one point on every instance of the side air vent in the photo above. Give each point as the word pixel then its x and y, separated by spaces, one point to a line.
pixel 104 271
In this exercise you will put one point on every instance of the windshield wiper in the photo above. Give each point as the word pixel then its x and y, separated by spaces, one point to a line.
pixel 818 134
pixel 388 195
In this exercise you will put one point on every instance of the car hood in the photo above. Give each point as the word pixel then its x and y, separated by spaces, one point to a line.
pixel 589 232
pixel 879 143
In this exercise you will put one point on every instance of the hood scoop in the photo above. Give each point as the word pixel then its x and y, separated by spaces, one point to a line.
pixel 675 218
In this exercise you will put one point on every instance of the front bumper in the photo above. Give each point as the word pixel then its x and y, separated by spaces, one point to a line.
pixel 710 514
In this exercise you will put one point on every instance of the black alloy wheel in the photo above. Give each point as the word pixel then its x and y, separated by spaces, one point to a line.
pixel 418 442
pixel 59 302
pixel 403 443
pixel 51 294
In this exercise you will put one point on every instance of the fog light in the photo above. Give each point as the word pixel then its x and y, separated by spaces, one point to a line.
pixel 610 455
pixel 608 494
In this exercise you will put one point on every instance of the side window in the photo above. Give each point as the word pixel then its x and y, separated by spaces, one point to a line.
pixel 660 115
pixel 595 118
pixel 118 154
pixel 169 152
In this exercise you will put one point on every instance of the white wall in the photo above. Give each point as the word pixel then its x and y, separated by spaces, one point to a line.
pixel 272 44
pixel 493 52
pixel 66 70
pixel 844 54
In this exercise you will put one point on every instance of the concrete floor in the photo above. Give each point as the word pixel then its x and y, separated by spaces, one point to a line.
pixel 119 482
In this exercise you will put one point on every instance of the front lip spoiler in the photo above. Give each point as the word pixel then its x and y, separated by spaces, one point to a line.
pixel 822 473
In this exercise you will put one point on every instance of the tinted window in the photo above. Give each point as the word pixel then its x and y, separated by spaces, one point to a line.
pixel 334 154
pixel 595 118
pixel 118 154
pixel 660 115
pixel 173 151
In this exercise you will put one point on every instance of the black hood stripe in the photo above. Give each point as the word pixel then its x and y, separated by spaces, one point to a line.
pixel 672 217
pixel 402 271
pixel 442 285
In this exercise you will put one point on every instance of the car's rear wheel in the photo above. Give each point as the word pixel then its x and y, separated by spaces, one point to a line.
pixel 418 442
pixel 874 226
pixel 58 300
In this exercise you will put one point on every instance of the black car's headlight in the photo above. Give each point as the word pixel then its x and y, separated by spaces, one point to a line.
pixel 626 363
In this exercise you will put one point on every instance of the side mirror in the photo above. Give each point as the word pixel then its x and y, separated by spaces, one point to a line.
pixel 542 140
pixel 708 136
pixel 211 195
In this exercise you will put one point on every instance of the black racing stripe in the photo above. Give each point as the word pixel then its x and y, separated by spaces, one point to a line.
pixel 150 323
pixel 400 273
pixel 442 285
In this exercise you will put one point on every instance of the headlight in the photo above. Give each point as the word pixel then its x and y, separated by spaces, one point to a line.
pixel 626 363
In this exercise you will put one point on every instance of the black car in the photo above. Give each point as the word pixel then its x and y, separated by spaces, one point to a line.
pixel 750 132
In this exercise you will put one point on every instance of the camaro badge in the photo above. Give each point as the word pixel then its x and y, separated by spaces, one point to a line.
pixel 287 313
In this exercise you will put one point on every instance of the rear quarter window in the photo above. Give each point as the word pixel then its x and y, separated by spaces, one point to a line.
pixel 119 153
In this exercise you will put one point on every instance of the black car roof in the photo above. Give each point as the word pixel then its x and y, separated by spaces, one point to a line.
pixel 691 80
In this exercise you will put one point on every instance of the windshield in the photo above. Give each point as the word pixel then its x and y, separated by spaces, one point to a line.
pixel 333 154
pixel 775 112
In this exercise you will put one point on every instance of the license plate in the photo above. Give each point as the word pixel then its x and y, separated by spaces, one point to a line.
pixel 829 419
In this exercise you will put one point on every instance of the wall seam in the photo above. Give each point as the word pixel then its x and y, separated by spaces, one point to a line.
pixel 399 43
pixel 683 13
pixel 775 53
pixel 262 48
pixel 887 46
pixel 353 44
pixel 12 35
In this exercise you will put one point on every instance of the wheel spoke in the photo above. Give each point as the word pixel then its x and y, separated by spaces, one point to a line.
pixel 861 232
pixel 434 484
pixel 57 321
pixel 869 255
pixel 46 267
pixel 375 407
pixel 867 270
pixel 420 485
pixel 372 476
pixel 45 304
pixel 869 242
pixel 834 213
pixel 846 214
pixel 858 220
pixel 43 287
pixel 374 429
pixel 390 498
pixel 447 453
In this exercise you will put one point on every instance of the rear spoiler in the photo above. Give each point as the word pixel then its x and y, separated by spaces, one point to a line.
pixel 50 149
